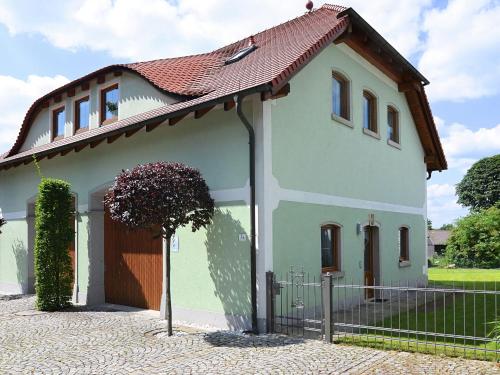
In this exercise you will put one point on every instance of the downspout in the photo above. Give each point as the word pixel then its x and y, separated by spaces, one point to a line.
pixel 253 252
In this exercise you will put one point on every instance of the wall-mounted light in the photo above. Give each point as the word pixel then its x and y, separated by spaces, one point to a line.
pixel 358 228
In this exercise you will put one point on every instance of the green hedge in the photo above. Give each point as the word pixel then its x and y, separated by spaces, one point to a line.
pixel 54 233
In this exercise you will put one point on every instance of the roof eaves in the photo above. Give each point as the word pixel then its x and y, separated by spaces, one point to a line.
pixel 357 20
pixel 136 122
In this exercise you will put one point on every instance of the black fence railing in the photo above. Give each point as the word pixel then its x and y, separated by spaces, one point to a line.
pixel 448 319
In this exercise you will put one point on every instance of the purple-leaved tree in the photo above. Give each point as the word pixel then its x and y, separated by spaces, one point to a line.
pixel 166 195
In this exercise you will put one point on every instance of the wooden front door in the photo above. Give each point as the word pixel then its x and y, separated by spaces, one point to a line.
pixel 371 252
pixel 132 266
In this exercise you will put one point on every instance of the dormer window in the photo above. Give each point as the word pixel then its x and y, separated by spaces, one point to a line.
pixel 58 121
pixel 82 114
pixel 109 104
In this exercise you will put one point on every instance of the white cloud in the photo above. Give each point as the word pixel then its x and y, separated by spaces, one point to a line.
pixel 440 190
pixel 16 96
pixel 145 29
pixel 442 204
pixel 461 56
pixel 463 146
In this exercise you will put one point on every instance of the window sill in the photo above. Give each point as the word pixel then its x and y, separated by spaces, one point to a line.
pixel 393 144
pixel 371 133
pixel 342 120
pixel 109 121
pixel 334 274
pixel 81 130
pixel 404 263
pixel 58 138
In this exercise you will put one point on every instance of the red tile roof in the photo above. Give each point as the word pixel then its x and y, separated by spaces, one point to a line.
pixel 280 51
pixel 202 79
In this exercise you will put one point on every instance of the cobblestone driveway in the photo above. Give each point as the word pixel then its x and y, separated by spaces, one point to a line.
pixel 111 342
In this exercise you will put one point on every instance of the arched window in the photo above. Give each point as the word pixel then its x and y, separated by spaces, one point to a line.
pixel 370 111
pixel 392 124
pixel 340 96
pixel 404 244
pixel 330 248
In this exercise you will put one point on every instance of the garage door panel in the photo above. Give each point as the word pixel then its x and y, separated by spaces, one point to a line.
pixel 133 266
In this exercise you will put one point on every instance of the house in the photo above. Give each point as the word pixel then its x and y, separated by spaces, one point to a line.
pixel 436 241
pixel 315 137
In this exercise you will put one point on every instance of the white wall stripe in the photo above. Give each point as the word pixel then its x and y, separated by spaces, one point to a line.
pixel 229 195
pixel 333 200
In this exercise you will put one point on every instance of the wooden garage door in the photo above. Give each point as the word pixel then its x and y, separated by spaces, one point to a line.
pixel 133 266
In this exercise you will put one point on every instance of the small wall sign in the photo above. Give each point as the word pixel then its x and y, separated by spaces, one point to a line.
pixel 242 237
pixel 174 244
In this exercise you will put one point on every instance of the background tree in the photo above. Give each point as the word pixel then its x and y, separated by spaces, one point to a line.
pixel 447 227
pixel 429 224
pixel 166 195
pixel 475 241
pixel 2 223
pixel 480 187
pixel 53 270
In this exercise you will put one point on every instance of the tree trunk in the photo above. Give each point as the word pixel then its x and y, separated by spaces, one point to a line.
pixel 169 300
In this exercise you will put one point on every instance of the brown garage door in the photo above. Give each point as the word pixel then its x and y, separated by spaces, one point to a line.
pixel 133 266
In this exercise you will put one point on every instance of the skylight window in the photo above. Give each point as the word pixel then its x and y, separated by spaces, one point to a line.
pixel 240 54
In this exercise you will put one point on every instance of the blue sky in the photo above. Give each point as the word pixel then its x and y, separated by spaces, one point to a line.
pixel 454 43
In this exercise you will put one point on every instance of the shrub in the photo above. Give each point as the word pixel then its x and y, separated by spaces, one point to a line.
pixel 164 195
pixel 475 242
pixel 54 233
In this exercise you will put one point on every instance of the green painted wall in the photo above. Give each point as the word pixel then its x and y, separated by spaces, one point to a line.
pixel 312 152
pixel 297 240
pixel 14 252
pixel 211 270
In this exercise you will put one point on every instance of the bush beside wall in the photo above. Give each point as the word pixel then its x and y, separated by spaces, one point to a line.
pixel 54 233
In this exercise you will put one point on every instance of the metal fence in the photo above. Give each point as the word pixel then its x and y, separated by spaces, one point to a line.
pixel 453 320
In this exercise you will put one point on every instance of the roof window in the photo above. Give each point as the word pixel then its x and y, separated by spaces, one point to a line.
pixel 242 52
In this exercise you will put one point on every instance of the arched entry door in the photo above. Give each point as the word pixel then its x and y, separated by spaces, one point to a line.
pixel 371 258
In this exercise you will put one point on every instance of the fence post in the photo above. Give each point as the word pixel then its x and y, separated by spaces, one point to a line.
pixel 326 294
pixel 270 302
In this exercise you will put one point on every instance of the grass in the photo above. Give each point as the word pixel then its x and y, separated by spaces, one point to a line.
pixel 453 313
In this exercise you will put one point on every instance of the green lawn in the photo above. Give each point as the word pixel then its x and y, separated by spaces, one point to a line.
pixel 457 314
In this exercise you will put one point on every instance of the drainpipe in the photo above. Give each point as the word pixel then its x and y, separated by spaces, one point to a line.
pixel 253 267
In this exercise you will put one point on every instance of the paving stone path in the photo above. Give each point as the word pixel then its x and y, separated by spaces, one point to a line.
pixel 104 341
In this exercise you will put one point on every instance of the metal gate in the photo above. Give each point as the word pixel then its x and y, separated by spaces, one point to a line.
pixel 295 304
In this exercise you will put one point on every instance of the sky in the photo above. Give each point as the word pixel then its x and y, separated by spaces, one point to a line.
pixel 455 44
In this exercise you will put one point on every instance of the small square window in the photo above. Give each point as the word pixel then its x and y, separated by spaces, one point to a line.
pixel 58 122
pixel 82 114
pixel 109 104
